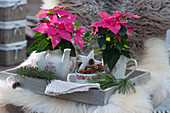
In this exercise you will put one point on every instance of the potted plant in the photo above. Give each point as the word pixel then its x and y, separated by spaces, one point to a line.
pixel 113 33
pixel 55 35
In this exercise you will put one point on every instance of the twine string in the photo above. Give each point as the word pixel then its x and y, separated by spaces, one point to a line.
pixel 17 29
pixel 17 4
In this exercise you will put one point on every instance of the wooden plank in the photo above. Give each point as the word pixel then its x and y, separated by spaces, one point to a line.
pixel 8 14
pixel 93 96
pixel 139 77
pixel 7 35
pixel 8 57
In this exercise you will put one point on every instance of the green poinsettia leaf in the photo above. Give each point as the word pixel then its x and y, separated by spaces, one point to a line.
pixel 71 34
pixel 110 34
pixel 92 36
pixel 110 57
pixel 50 12
pixel 119 45
pixel 48 47
pixel 122 31
pixel 42 45
pixel 101 41
pixel 96 51
pixel 91 44
pixel 34 46
pixel 126 53
pixel 101 31
pixel 138 42
pixel 109 44
pixel 76 25
pixel 125 39
pixel 62 45
pixel 84 39
pixel 87 34
pixel 67 44
pixel 39 35
pixel 73 51
pixel 33 26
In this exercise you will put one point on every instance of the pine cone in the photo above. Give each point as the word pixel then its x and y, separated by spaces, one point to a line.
pixel 99 65
pixel 16 84
pixel 86 68
pixel 81 71
pixel 89 71
pixel 95 68
pixel 91 61
pixel 100 68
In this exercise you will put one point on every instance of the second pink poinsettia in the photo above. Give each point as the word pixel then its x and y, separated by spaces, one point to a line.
pixel 112 22
pixel 113 34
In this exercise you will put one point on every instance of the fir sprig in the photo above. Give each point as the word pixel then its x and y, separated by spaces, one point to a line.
pixel 124 86
pixel 35 72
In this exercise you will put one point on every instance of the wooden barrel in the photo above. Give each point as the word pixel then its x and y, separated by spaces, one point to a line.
pixel 12 53
pixel 8 57
pixel 12 31
pixel 12 35
pixel 12 10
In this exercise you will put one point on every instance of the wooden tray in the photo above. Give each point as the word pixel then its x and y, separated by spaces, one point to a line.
pixel 93 96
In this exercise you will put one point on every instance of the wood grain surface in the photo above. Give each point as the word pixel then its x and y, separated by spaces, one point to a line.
pixel 8 14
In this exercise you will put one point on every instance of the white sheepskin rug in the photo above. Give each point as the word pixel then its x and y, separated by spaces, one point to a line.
pixel 143 101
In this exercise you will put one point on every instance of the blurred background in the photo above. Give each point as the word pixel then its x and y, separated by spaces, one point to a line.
pixel 15 35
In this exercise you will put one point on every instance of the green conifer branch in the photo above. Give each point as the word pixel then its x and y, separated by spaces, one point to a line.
pixel 124 86
pixel 35 72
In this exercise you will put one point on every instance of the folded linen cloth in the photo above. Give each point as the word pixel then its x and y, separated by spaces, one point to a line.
pixel 58 87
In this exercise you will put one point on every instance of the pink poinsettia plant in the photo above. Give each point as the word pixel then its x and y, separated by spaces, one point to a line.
pixel 113 33
pixel 56 31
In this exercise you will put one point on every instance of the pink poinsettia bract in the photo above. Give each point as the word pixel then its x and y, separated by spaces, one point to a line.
pixel 112 22
pixel 59 27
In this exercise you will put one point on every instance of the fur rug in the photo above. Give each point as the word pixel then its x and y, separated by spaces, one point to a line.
pixel 143 101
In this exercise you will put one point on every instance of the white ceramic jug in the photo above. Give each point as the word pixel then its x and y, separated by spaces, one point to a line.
pixel 120 68
pixel 55 61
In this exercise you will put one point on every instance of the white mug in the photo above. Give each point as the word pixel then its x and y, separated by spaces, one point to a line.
pixel 120 68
